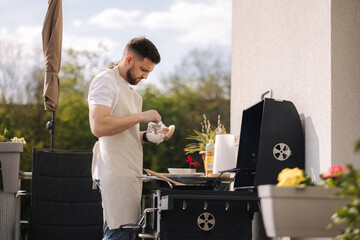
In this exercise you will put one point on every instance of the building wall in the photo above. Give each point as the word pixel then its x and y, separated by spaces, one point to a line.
pixel 345 71
pixel 307 52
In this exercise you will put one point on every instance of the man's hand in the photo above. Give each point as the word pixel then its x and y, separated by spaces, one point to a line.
pixel 150 116
pixel 164 135
pixel 102 123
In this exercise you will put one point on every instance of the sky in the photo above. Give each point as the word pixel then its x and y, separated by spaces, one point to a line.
pixel 175 26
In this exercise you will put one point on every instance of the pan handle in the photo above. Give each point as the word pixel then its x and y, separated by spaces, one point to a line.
pixel 148 178
pixel 162 177
pixel 269 91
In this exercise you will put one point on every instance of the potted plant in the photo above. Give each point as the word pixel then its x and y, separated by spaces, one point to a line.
pixel 10 161
pixel 349 214
pixel 203 137
pixel 297 208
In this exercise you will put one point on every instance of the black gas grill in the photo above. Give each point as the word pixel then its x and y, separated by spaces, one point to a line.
pixel 203 214
pixel 271 139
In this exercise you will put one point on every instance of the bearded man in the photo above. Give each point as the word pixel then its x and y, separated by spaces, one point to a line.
pixel 115 114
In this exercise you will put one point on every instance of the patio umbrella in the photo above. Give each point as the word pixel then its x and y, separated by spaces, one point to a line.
pixel 52 44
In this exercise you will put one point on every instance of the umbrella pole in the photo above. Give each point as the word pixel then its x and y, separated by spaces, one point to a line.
pixel 53 130
pixel 51 126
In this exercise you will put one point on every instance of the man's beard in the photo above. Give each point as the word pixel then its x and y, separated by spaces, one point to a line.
pixel 130 78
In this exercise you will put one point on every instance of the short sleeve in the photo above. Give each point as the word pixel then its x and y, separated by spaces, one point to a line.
pixel 102 91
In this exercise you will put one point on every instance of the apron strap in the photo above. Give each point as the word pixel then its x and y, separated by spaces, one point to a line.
pixel 96 152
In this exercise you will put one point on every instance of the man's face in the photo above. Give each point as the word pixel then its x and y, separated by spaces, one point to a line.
pixel 139 69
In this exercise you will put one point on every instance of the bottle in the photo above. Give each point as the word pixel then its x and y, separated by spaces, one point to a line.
pixel 209 157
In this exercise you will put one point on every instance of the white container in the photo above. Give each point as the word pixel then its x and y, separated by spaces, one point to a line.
pixel 10 162
pixel 225 152
pixel 292 212
pixel 9 202
pixel 182 170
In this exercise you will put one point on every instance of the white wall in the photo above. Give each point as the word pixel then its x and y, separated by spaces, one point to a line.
pixel 345 91
pixel 307 52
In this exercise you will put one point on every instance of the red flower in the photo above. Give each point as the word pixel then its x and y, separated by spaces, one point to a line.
pixel 190 161
pixel 335 171
pixel 196 164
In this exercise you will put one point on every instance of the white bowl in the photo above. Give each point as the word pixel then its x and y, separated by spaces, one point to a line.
pixel 181 170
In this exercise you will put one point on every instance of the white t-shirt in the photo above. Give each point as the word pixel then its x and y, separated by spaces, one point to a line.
pixel 104 90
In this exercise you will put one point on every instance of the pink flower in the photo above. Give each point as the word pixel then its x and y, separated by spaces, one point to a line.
pixel 335 171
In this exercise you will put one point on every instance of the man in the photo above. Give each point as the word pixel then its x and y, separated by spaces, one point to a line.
pixel 115 113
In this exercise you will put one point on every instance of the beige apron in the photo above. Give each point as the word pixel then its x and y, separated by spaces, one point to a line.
pixel 121 164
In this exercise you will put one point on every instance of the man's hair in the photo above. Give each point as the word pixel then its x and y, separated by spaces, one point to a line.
pixel 144 48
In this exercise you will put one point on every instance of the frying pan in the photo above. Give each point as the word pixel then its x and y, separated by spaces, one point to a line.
pixel 180 186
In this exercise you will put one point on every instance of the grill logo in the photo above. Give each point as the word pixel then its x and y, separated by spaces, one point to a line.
pixel 281 151
pixel 206 221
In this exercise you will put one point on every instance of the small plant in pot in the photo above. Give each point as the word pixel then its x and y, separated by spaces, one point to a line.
pixel 14 139
pixel 202 138
pixel 347 180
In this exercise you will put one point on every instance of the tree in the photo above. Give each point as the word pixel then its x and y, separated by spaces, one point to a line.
pixel 207 71
pixel 72 120
pixel 17 69
pixel 191 92
pixel 200 85
pixel 11 56
pixel 28 120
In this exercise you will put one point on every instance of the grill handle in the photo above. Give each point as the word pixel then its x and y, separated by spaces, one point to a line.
pixel 269 91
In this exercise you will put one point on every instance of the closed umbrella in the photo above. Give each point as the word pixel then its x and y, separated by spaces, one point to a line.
pixel 52 44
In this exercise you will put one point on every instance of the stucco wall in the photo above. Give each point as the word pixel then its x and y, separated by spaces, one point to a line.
pixel 345 90
pixel 298 49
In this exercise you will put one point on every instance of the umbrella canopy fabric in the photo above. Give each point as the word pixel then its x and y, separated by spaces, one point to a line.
pixel 52 44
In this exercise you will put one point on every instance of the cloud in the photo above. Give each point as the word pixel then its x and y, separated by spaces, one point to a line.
pixel 77 23
pixel 22 45
pixel 4 33
pixel 115 18
pixel 87 43
pixel 198 23
pixel 28 38
pixel 5 2
pixel 22 34
pixel 26 33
